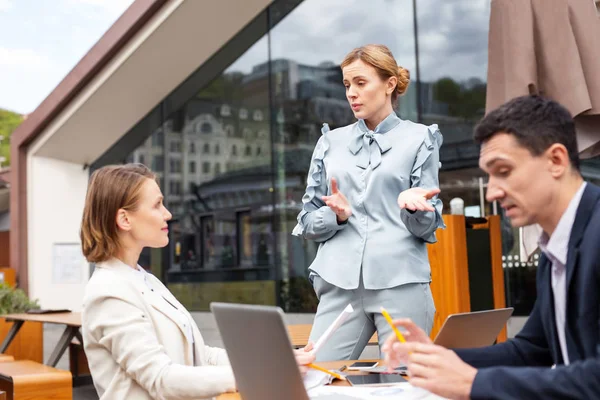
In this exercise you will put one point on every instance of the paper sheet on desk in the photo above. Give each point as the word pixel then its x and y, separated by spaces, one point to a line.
pixel 401 391
pixel 314 379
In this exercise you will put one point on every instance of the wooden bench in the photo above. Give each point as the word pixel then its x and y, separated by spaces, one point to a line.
pixel 300 333
pixel 28 380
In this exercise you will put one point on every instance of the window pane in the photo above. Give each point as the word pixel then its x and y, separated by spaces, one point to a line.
pixel 224 255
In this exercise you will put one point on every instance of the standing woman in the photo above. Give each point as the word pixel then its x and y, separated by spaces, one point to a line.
pixel 372 254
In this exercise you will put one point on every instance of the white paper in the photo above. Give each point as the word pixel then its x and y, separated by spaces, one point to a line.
pixel 333 327
pixel 400 391
pixel 67 263
pixel 315 378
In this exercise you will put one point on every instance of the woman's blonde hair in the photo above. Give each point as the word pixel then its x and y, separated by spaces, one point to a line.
pixel 111 188
pixel 381 58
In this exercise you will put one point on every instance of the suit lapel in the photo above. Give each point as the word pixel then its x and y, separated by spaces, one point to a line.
pixel 154 297
pixel 586 206
pixel 169 308
pixel 588 202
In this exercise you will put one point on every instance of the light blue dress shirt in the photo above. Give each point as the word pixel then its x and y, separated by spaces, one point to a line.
pixel 372 168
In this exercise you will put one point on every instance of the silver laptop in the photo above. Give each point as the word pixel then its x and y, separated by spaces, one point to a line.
pixel 260 353
pixel 472 329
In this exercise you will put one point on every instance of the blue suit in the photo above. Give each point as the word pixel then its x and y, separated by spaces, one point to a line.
pixel 520 367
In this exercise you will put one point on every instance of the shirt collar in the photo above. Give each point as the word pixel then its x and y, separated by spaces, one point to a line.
pixel 384 126
pixel 556 246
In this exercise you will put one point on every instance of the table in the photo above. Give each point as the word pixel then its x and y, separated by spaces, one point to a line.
pixel 299 334
pixel 328 365
pixel 71 320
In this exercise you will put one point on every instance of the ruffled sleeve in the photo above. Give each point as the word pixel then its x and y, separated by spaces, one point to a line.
pixel 425 174
pixel 316 221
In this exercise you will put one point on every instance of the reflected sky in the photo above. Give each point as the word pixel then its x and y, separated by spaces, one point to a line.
pixel 452 35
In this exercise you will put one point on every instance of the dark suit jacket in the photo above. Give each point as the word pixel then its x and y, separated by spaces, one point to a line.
pixel 520 368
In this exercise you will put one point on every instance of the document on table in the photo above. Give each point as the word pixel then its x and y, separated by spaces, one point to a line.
pixel 401 391
pixel 333 327
pixel 314 378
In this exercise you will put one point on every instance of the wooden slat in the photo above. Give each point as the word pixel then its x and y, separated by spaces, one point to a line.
pixel 29 380
pixel 29 342
pixel 299 334
pixel 449 271
pixel 497 271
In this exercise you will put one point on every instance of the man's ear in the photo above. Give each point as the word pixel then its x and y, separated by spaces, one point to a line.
pixel 558 158
pixel 123 221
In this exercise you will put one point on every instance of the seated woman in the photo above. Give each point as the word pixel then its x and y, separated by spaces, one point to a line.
pixel 141 343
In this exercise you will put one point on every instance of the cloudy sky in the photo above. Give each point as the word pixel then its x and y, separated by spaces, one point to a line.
pixel 42 40
pixel 452 34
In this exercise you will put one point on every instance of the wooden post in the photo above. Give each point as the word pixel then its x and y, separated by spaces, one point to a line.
pixel 449 271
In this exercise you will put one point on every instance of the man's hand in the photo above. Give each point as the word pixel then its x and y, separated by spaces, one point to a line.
pixel 396 353
pixel 439 370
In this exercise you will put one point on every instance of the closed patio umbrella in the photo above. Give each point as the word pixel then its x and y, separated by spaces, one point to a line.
pixel 552 48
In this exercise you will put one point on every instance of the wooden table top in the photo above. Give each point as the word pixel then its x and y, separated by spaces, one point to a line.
pixel 299 334
pixel 66 318
pixel 328 365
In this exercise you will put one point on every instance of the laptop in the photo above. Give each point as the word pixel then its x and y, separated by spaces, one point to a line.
pixel 472 329
pixel 261 354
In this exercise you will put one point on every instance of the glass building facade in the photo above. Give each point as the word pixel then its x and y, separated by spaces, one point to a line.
pixel 232 144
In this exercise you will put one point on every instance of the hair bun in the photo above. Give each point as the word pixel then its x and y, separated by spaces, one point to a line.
pixel 403 80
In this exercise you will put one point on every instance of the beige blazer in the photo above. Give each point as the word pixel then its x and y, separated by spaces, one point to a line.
pixel 136 345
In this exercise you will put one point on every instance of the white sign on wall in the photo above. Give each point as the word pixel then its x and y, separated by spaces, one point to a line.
pixel 67 263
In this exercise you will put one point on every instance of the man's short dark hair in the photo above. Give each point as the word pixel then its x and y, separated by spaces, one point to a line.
pixel 536 122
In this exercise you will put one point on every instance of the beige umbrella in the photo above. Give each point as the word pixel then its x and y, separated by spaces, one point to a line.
pixel 552 48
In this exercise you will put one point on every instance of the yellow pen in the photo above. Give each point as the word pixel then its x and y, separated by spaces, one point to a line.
pixel 387 317
pixel 338 376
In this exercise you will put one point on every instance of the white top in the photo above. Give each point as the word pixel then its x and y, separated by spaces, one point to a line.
pixel 556 248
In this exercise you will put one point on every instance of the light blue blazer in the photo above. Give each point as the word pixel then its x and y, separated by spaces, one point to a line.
pixel 372 168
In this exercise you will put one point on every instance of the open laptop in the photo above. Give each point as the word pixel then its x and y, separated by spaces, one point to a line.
pixel 261 354
pixel 472 329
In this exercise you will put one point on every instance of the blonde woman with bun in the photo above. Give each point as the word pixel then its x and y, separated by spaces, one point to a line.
pixel 371 204
pixel 140 342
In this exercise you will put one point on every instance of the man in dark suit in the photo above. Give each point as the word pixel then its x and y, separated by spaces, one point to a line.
pixel 529 150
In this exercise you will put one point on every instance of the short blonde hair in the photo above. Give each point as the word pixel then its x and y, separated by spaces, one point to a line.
pixel 381 58
pixel 111 188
